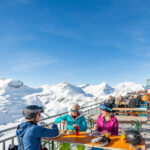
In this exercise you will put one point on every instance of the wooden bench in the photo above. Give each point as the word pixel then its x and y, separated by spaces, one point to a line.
pixel 129 119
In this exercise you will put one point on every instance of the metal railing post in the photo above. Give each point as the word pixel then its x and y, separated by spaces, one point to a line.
pixel 4 145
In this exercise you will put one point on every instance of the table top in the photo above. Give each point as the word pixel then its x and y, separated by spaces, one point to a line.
pixel 130 109
pixel 83 139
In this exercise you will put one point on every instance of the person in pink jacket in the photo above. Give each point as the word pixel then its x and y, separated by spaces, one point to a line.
pixel 107 122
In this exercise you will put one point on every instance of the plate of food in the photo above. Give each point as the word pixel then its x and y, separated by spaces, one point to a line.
pixel 67 132
pixel 96 134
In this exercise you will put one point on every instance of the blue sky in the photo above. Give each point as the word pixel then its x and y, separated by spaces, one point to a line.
pixel 78 41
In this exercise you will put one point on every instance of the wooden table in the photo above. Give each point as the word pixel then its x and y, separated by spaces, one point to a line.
pixel 84 139
pixel 130 109
pixel 132 112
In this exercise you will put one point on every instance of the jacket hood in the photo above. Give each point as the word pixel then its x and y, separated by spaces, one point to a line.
pixel 81 115
pixel 22 128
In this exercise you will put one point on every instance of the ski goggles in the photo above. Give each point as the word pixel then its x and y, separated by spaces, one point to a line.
pixel 103 107
pixel 73 110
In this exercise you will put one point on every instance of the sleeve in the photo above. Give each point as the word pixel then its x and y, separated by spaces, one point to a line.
pixel 97 124
pixel 83 125
pixel 58 120
pixel 40 131
pixel 115 128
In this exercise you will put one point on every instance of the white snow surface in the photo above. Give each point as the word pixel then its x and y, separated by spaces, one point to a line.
pixel 14 96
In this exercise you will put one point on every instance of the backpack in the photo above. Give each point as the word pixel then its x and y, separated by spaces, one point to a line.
pixel 13 147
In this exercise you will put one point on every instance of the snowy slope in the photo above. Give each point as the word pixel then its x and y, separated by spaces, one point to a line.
pixel 14 96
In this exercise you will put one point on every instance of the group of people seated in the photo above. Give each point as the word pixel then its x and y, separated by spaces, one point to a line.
pixel 29 133
pixel 131 100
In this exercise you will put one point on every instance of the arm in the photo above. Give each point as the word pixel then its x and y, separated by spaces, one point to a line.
pixel 58 120
pixel 40 131
pixel 115 128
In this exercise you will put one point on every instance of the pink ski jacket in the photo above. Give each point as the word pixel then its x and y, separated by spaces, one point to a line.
pixel 111 125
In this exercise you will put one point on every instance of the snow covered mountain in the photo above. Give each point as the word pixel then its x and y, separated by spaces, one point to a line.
pixel 12 99
pixel 98 90
pixel 14 96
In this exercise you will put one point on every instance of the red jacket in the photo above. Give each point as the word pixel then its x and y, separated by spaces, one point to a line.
pixel 111 125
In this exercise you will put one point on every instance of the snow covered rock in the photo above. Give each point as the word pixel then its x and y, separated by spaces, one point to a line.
pixel 15 84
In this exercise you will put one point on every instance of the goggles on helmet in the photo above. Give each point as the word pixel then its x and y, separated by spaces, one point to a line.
pixel 103 107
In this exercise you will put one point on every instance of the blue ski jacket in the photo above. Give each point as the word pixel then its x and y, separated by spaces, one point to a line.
pixel 80 121
pixel 32 134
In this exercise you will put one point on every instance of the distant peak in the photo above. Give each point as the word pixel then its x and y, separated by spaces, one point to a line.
pixel 63 84
pixel 15 84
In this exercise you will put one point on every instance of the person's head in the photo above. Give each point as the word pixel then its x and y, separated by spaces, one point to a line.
pixel 75 110
pixel 106 109
pixel 120 97
pixel 32 113
pixel 132 96
pixel 110 97
pixel 135 96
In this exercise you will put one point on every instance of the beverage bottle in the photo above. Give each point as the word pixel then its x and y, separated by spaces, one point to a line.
pixel 122 137
pixel 77 130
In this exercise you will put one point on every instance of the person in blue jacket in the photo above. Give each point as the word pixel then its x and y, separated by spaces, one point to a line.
pixel 72 120
pixel 29 133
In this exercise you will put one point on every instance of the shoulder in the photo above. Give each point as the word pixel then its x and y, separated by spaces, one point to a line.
pixel 81 117
pixel 100 117
pixel 114 119
pixel 35 128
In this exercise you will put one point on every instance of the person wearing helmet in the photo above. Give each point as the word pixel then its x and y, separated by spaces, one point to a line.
pixel 72 120
pixel 29 134
pixel 106 122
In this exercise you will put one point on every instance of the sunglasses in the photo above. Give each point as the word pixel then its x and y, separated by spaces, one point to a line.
pixel 73 110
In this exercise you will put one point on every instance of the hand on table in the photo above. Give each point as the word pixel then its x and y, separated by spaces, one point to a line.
pixel 64 122
pixel 75 125
pixel 106 132
pixel 95 127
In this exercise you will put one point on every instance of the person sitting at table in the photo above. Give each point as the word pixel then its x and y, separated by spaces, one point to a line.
pixel 29 133
pixel 72 120
pixel 122 101
pixel 111 100
pixel 106 122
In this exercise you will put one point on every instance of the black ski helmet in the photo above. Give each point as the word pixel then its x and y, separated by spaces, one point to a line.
pixel 133 136
pixel 31 111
